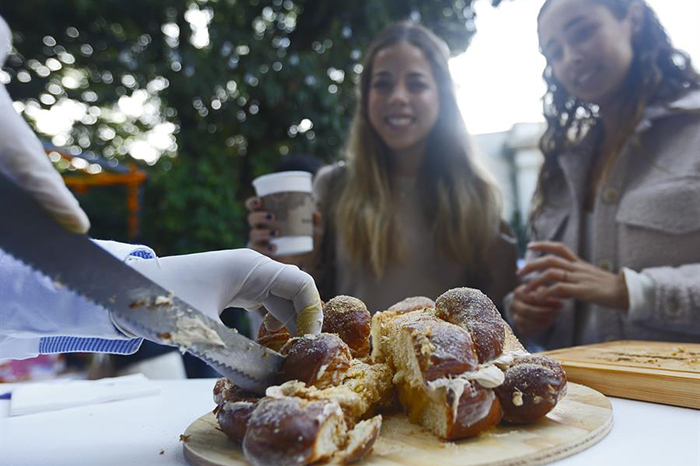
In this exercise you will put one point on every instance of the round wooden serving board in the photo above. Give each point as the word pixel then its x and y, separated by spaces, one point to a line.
pixel 580 420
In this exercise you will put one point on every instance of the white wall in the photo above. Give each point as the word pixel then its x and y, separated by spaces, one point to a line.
pixel 513 159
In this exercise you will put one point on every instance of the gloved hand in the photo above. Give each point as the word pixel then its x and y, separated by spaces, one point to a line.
pixel 213 281
pixel 22 158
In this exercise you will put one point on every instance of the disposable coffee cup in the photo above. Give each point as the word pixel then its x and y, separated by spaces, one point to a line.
pixel 288 196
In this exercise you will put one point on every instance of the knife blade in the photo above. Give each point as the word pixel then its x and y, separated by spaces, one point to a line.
pixel 31 235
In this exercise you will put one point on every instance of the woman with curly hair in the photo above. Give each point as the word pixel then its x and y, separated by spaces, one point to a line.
pixel 616 213
pixel 409 212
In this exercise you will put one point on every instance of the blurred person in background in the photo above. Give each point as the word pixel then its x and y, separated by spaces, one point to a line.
pixel 616 213
pixel 408 212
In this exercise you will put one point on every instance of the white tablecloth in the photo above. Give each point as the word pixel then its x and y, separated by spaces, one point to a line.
pixel 146 431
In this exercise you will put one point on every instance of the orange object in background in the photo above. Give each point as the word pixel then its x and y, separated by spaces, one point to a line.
pixel 84 180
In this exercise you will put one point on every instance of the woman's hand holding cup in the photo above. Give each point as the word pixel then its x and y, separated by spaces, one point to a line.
pixel 282 214
pixel 262 227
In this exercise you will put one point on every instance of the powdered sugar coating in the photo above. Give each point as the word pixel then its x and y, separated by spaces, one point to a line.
pixel 413 303
pixel 534 384
pixel 348 318
pixel 233 418
pixel 283 431
pixel 441 348
pixel 234 408
pixel 474 311
pixel 225 390
pixel 342 304
pixel 320 360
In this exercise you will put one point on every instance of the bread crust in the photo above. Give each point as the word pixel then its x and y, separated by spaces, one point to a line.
pixel 456 365
pixel 361 440
pixel 474 311
pixel 273 339
pixel 348 318
pixel 318 360
pixel 234 408
pixel 430 356
pixel 413 303
pixel 470 419
pixel 287 431
pixel 533 386
pixel 441 348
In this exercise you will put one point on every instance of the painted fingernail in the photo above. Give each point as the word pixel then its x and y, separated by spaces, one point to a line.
pixel 269 217
pixel 273 232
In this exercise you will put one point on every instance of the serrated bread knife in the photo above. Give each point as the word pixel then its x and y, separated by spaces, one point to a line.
pixel 31 235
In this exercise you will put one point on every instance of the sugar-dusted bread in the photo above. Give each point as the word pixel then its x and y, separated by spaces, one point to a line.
pixel 348 318
pixel 319 360
pixel 413 303
pixel 322 406
pixel 474 311
pixel 298 424
pixel 290 430
pixel 454 365
pixel 360 440
pixel 365 389
pixel 436 370
pixel 234 406
pixel 273 339
pixel 293 431
pixel 533 386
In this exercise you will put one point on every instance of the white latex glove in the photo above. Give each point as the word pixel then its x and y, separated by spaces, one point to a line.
pixel 213 281
pixel 23 160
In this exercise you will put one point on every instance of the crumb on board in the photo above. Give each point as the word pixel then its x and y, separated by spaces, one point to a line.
pixel 162 451
pixel 184 438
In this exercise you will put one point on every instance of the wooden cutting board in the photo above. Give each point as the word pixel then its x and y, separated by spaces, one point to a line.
pixel 580 420
pixel 667 373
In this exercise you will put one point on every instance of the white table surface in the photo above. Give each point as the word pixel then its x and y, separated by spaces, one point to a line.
pixel 146 431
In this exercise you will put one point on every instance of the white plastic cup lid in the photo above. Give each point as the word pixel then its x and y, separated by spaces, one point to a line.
pixel 283 182
pixel 291 245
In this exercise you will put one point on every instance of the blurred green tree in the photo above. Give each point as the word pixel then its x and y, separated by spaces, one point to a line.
pixel 207 94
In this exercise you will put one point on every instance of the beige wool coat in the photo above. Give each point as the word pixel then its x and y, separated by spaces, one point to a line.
pixel 646 218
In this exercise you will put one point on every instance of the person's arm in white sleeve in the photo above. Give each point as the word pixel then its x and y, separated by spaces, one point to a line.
pixel 23 160
pixel 640 292
pixel 40 316
pixel 666 298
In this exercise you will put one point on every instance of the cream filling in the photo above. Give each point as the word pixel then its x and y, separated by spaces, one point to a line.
pixel 284 390
pixel 191 331
pixel 505 360
pixel 321 371
pixel 164 300
pixel 233 406
pixel 487 375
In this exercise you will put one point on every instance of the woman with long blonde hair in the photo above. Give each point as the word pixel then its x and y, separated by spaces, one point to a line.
pixel 409 212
